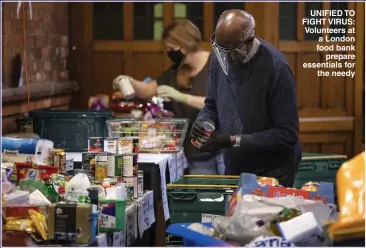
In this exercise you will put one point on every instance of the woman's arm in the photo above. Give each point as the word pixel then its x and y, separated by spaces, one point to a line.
pixel 196 101
pixel 144 90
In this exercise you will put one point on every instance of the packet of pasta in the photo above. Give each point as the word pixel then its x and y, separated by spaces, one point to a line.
pixel 351 200
pixel 18 225
pixel 39 221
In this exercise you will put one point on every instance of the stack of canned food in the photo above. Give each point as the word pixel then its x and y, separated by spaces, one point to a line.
pixel 115 160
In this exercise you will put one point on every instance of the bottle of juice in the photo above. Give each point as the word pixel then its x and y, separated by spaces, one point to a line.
pixel 51 190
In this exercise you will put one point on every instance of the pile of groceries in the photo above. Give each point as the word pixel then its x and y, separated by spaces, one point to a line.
pixel 261 213
pixel 43 197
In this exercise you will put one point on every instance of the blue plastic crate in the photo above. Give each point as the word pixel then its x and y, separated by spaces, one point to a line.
pixel 193 238
pixel 70 130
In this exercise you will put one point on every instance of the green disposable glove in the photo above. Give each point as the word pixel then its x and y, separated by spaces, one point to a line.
pixel 165 91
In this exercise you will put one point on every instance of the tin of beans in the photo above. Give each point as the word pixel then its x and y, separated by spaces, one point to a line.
pixel 100 172
pixel 59 160
pixel 140 183
pixel 115 164
pixel 95 144
pixel 111 145
pixel 267 181
pixel 311 186
pixel 125 146
pixel 131 187
pixel 130 165
pixel 88 158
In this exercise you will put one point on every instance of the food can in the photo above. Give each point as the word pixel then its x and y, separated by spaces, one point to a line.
pixel 124 85
pixel 130 165
pixel 100 172
pixel 311 186
pixel 59 160
pixel 115 164
pixel 140 183
pixel 95 144
pixel 101 158
pixel 117 180
pixel 135 143
pixel 88 158
pixel 111 145
pixel 125 146
pixel 131 187
pixel 267 181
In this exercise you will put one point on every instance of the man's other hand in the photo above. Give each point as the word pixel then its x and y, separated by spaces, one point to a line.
pixel 216 143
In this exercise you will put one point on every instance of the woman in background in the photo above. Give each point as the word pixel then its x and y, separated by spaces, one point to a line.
pixel 185 84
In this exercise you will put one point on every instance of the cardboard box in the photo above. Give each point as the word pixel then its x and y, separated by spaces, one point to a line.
pixel 72 222
pixel 248 185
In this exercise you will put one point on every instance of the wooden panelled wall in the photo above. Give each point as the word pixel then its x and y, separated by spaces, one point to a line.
pixel 330 108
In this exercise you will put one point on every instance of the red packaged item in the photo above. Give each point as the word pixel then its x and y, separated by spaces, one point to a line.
pixel 33 171
pixel 21 211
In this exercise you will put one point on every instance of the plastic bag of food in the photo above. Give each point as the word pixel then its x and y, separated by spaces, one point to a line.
pixel 254 216
pixel 351 200
pixel 39 221
pixel 18 225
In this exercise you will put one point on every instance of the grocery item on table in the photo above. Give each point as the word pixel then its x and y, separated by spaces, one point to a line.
pixel 130 165
pixel 310 186
pixel 39 221
pixel 72 223
pixel 101 172
pixel 128 145
pixel 115 165
pixel 98 102
pixel 51 190
pixel 303 230
pixel 263 241
pixel 32 171
pixel 18 225
pixel 111 145
pixel 351 200
pixel 267 181
pixel 131 187
pixel 112 215
pixel 59 160
pixel 77 185
pixel 285 215
pixel 19 150
pixel 32 185
pixel 140 183
pixel 22 211
pixel 95 144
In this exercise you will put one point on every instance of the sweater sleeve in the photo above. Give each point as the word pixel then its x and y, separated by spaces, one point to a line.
pixel 284 115
pixel 209 111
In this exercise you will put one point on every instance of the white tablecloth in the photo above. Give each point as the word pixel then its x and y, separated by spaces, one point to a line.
pixel 140 216
pixel 176 163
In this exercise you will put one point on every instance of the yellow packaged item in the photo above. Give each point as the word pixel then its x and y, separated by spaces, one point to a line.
pixel 18 225
pixel 351 200
pixel 39 221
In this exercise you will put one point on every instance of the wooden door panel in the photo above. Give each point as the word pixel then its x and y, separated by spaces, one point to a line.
pixel 107 66
pixel 146 64
pixel 340 143
pixel 307 81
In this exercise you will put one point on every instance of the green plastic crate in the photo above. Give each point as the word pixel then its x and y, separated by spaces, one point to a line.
pixel 319 168
pixel 70 130
pixel 187 195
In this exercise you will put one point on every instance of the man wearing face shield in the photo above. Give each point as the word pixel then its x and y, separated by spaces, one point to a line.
pixel 250 98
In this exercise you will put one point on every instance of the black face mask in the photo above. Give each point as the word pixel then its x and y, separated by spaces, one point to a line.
pixel 176 56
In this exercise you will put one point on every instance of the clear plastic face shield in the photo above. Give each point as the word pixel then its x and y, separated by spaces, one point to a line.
pixel 227 56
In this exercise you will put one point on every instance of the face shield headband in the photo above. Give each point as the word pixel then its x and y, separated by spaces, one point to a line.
pixel 237 54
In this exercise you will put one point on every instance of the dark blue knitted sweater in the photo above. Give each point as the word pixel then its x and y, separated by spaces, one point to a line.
pixel 256 100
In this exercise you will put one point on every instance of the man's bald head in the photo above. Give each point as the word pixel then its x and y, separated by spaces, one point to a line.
pixel 233 28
